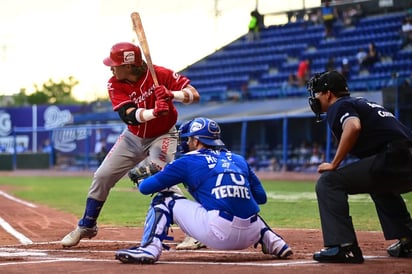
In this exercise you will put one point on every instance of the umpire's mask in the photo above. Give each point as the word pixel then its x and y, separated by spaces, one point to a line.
pixel 322 82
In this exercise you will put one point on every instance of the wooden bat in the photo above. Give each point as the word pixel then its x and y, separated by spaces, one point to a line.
pixel 141 36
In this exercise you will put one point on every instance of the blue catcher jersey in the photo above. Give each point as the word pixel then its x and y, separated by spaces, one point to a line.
pixel 379 126
pixel 217 179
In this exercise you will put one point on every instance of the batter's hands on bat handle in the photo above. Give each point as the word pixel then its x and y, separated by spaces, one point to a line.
pixel 161 108
pixel 161 92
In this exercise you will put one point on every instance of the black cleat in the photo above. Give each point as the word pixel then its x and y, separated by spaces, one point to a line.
pixel 351 254
pixel 401 249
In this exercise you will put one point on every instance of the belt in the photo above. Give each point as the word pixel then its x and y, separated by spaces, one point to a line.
pixel 227 216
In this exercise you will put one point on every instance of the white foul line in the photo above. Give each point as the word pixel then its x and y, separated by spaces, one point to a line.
pixel 22 239
pixel 2 193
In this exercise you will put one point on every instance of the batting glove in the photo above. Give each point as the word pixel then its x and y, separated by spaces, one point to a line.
pixel 161 92
pixel 161 108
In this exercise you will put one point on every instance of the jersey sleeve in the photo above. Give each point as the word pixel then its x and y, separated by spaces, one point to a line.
pixel 117 93
pixel 256 187
pixel 170 79
pixel 172 174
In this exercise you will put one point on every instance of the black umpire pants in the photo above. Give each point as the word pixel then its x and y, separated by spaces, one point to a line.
pixel 333 188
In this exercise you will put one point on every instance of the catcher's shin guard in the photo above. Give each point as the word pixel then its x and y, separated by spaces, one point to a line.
pixel 157 224
pixel 159 218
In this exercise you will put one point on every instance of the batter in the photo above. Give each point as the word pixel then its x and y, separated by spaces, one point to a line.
pixel 151 134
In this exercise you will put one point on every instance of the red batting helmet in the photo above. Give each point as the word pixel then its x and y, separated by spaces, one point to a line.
pixel 123 54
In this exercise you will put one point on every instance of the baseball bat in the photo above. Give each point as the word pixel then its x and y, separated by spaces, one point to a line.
pixel 141 36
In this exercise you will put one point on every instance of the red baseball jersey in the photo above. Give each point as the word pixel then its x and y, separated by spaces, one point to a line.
pixel 141 93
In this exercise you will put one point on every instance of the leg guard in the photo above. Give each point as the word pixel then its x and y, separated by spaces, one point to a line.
pixel 272 243
pixel 91 213
pixel 159 218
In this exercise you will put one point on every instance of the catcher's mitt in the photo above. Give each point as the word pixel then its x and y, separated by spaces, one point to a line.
pixel 138 173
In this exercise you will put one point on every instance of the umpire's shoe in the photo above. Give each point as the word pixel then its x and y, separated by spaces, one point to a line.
pixel 351 254
pixel 135 255
pixel 402 248
pixel 74 237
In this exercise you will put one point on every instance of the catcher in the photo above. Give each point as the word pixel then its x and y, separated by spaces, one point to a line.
pixel 224 214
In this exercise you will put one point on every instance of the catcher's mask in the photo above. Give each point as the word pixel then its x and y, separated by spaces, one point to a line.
pixel 182 145
pixel 322 82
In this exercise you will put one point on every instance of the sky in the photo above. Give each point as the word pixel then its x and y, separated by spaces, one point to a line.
pixel 55 39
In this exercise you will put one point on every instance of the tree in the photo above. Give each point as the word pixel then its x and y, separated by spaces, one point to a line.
pixel 54 93
pixel 49 93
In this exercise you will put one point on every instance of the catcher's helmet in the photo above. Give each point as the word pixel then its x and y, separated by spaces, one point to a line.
pixel 206 131
pixel 124 53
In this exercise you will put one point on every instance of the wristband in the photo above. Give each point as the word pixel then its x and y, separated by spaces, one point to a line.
pixel 185 96
pixel 190 94
pixel 178 95
pixel 143 115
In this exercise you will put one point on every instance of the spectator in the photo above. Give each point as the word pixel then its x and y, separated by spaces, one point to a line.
pixel 46 146
pixel 406 32
pixel 255 25
pixel 345 68
pixel 329 15
pixel 100 149
pixel 290 83
pixel 361 55
pixel 330 65
pixel 274 165
pixel 303 72
pixel 20 147
pixel 372 56
pixel 351 15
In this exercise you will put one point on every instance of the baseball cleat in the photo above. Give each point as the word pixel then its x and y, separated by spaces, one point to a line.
pixel 135 255
pixel 190 243
pixel 74 237
pixel 284 252
pixel 349 254
pixel 402 248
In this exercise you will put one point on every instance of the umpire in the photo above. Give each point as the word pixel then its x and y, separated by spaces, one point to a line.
pixel 383 146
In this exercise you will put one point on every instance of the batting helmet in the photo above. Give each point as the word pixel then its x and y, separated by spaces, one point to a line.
pixel 124 54
pixel 206 131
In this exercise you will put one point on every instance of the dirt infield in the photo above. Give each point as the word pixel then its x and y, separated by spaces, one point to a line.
pixel 30 234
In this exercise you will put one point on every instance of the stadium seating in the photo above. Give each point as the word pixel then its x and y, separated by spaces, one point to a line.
pixel 262 67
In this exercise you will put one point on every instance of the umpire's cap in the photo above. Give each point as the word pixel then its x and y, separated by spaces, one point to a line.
pixel 206 131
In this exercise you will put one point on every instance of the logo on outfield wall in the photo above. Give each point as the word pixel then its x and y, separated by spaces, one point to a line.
pixel 54 117
pixel 5 124
pixel 64 139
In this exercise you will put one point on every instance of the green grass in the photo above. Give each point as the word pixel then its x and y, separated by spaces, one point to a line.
pixel 290 204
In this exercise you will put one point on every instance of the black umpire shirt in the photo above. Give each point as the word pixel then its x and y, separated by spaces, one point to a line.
pixel 379 126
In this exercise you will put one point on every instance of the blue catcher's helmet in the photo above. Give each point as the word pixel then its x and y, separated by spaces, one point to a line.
pixel 182 145
pixel 206 131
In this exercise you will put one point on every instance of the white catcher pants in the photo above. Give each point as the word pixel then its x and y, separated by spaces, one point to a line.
pixel 218 232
